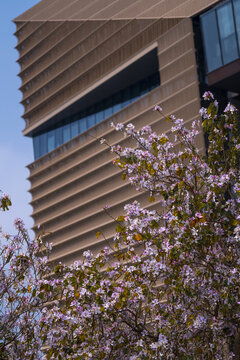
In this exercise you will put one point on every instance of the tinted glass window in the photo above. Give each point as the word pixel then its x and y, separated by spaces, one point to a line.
pixel 51 140
pixel 74 129
pixel 42 144
pixel 126 97
pixel 117 100
pixel 227 33
pixel 66 133
pixel 59 136
pixel 36 147
pixel 108 108
pixel 80 122
pixel 221 34
pixel 153 81
pixel 82 125
pixel 236 6
pixel 91 120
pixel 211 41
pixel 144 87
pixel 99 116
pixel 135 92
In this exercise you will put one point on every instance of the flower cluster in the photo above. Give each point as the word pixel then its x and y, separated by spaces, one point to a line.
pixel 169 287
pixel 21 271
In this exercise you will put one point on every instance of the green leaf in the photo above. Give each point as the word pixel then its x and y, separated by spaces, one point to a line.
pixel 121 218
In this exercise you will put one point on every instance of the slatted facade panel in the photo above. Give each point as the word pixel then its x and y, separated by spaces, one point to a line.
pixel 80 58
pixel 92 66
pixel 67 51
pixel 113 9
pixel 190 8
pixel 72 9
pixel 71 185
pixel 50 9
pixel 31 55
pixel 41 31
pixel 58 66
pixel 35 10
pixel 58 49
pixel 24 30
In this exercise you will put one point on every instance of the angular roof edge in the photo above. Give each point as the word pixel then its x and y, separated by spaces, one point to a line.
pixel 53 10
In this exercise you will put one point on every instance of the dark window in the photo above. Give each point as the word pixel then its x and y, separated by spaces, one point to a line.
pixel 66 133
pixel 221 30
pixel 82 125
pixel 59 136
pixel 117 102
pixel 227 33
pixel 91 117
pixel 126 97
pixel 99 113
pixel 143 87
pixel 74 124
pixel 36 145
pixel 108 111
pixel 236 6
pixel 42 144
pixel 74 129
pixel 51 140
pixel 211 41
pixel 135 91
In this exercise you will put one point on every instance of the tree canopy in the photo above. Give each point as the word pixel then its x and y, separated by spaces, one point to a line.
pixel 169 285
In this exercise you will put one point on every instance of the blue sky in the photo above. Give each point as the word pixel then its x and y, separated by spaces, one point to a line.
pixel 15 149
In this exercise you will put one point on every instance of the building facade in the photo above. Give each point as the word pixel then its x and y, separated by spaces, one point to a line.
pixel 87 64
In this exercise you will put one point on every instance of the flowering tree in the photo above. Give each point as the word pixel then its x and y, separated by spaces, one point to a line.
pixel 21 269
pixel 170 286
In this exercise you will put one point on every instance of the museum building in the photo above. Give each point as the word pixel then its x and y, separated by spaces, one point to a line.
pixel 85 64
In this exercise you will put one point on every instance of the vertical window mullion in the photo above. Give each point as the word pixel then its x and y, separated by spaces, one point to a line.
pixel 220 42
